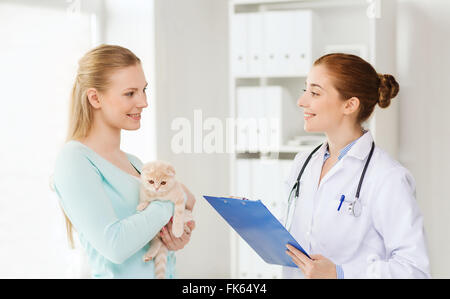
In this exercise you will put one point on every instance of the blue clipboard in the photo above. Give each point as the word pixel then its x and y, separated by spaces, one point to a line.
pixel 258 227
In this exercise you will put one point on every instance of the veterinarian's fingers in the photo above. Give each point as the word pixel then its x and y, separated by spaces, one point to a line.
pixel 296 261
pixel 303 258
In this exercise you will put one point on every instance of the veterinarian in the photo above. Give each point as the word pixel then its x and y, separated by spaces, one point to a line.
pixel 351 206
pixel 97 183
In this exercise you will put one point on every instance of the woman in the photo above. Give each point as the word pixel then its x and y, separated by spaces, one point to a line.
pixel 97 183
pixel 381 234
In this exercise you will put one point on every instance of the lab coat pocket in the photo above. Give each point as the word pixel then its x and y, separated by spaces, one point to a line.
pixel 341 231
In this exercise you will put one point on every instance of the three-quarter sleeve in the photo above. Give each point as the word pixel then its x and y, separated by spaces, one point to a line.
pixel 79 186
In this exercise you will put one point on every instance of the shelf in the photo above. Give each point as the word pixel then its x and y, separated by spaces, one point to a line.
pixel 297 149
pixel 245 2
pixel 343 24
pixel 283 149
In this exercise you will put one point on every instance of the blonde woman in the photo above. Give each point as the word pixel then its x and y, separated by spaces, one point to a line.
pixel 97 183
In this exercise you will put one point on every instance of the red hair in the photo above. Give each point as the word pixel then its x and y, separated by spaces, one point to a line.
pixel 355 77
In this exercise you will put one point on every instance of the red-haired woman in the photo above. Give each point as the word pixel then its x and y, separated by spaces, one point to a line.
pixel 351 206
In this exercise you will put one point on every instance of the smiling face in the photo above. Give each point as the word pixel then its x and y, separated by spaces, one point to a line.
pixel 121 104
pixel 324 108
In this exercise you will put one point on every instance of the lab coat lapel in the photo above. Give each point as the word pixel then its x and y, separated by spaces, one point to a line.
pixel 359 150
pixel 362 147
pixel 316 167
pixel 338 166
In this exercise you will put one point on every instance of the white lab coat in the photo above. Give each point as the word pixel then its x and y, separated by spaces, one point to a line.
pixel 386 241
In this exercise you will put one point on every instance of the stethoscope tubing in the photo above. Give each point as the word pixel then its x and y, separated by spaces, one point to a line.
pixel 361 179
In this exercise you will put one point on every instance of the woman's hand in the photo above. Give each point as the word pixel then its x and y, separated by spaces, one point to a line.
pixel 173 243
pixel 316 267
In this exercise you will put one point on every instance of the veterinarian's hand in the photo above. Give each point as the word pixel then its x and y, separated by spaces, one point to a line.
pixel 171 241
pixel 316 267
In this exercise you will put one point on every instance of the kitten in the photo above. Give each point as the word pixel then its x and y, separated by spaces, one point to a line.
pixel 158 183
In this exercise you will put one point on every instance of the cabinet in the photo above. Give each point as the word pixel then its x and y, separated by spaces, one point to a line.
pixel 273 44
pixel 260 50
pixel 267 117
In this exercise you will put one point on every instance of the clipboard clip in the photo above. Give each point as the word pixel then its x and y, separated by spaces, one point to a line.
pixel 237 197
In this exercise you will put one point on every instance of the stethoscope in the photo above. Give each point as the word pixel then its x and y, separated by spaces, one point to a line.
pixel 354 208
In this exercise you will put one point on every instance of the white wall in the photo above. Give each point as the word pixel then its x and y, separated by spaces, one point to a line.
pixel 423 65
pixel 38 62
pixel 130 24
pixel 192 73
pixel 41 43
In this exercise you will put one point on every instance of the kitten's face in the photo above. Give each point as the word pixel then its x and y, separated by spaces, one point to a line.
pixel 158 176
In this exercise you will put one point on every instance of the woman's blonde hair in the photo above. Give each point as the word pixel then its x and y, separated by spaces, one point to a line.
pixel 94 70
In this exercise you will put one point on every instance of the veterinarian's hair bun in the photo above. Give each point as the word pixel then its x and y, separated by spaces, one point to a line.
pixel 388 90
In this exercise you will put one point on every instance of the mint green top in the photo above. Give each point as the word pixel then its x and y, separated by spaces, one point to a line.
pixel 100 200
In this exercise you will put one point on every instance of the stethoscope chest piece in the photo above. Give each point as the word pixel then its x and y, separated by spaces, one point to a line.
pixel 355 208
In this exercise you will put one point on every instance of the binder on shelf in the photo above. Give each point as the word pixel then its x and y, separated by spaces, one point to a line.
pixel 267 118
pixel 277 42
pixel 255 44
pixel 242 179
pixel 302 55
pixel 250 109
pixel 239 45
pixel 258 227
pixel 271 43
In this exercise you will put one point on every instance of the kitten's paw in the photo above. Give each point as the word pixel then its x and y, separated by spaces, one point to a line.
pixel 177 230
pixel 147 257
pixel 142 206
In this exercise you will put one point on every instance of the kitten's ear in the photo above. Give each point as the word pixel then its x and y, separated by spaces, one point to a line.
pixel 170 170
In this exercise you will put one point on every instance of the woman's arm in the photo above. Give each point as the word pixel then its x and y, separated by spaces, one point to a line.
pixel 79 186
